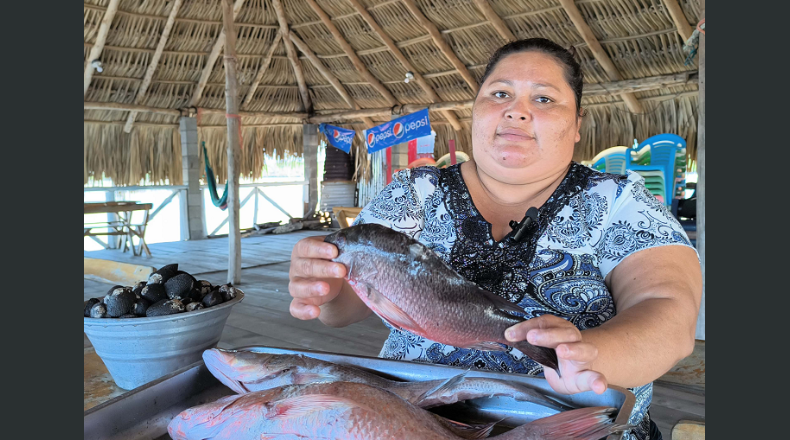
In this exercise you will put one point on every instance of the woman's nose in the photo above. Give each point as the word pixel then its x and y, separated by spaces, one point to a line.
pixel 518 112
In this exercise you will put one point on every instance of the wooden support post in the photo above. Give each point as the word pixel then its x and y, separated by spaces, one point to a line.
pixel 193 222
pixel 149 72
pixel 679 18
pixel 701 174
pixel 310 148
pixel 234 130
pixel 495 20
pixel 112 242
pixel 98 46
pixel 598 52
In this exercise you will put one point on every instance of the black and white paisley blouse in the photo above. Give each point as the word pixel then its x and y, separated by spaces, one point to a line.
pixel 589 224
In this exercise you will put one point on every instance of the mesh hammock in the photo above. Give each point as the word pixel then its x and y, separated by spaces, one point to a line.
pixel 219 202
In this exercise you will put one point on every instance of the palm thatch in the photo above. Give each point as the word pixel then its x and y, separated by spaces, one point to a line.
pixel 638 36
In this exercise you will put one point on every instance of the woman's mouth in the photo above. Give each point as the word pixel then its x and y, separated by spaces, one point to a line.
pixel 515 135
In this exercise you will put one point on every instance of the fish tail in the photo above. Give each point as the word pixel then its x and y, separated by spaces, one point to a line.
pixel 542 355
pixel 582 424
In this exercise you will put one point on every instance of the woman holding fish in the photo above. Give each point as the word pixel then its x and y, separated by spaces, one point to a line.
pixel 602 287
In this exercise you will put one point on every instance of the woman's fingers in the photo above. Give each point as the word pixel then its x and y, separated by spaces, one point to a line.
pixel 302 310
pixel 519 331
pixel 580 352
pixel 314 247
pixel 577 382
pixel 315 268
pixel 590 380
pixel 306 288
pixel 552 337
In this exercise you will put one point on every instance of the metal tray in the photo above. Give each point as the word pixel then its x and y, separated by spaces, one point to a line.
pixel 143 413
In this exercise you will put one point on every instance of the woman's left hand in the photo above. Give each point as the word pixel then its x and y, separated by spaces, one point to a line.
pixel 575 356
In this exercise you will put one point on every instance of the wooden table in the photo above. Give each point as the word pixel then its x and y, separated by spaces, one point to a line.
pixel 123 227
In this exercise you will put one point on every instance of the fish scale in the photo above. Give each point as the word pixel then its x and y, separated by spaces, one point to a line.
pixel 410 287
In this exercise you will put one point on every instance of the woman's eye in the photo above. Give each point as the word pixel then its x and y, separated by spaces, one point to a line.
pixel 544 100
pixel 500 95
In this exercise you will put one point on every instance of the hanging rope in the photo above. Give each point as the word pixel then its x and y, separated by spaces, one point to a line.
pixel 219 202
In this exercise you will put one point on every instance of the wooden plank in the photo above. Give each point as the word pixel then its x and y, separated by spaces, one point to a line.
pixel 234 135
pixel 114 272
pixel 701 173
pixel 445 48
pixel 688 430
pixel 212 59
pixel 598 52
pixel 432 96
pixel 98 45
pixel 292 58
pixel 349 51
pixel 310 154
pixel 129 107
pixel 262 69
pixel 152 65
pixel 323 70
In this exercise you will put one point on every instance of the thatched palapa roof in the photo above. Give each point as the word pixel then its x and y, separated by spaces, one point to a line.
pixel 166 56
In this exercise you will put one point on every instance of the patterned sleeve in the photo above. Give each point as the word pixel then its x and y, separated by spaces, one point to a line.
pixel 636 221
pixel 400 205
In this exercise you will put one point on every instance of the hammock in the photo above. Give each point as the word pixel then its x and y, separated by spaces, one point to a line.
pixel 221 203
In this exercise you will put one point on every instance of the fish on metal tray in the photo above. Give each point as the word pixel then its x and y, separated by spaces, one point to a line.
pixel 351 411
pixel 247 371
pixel 410 287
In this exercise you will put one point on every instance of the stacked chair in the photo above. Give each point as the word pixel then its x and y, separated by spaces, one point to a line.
pixel 661 160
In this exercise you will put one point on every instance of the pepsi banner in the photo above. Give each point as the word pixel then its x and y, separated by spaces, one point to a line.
pixel 338 137
pixel 398 131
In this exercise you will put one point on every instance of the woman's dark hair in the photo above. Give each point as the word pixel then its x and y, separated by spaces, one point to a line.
pixel 573 71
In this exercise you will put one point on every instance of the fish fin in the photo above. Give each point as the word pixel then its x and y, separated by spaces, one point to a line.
pixel 466 431
pixel 441 388
pixel 487 346
pixel 584 424
pixel 389 311
pixel 303 405
pixel 503 305
pixel 542 355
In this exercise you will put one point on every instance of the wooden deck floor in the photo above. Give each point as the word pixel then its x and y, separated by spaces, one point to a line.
pixel 263 317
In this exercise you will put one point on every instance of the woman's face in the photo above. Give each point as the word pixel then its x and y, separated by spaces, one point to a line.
pixel 524 120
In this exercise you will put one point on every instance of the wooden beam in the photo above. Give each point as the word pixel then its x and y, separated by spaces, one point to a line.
pixel 98 46
pixel 129 107
pixel 701 175
pixel 211 60
pixel 598 52
pixel 349 51
pixel 329 76
pixel 387 111
pixel 289 49
pixel 639 85
pixel 681 22
pixel 495 20
pixel 152 65
pixel 432 96
pixel 262 69
pixel 445 48
pixel 234 151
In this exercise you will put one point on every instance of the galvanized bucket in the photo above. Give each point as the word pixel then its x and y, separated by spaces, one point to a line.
pixel 139 350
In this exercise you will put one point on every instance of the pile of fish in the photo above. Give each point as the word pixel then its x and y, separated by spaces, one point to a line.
pixel 289 397
pixel 167 291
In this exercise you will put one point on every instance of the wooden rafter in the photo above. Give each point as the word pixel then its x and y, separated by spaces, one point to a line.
pixel 349 51
pixel 328 75
pixel 262 69
pixel 681 22
pixel 212 60
pixel 432 96
pixel 152 65
pixel 495 20
pixel 98 46
pixel 598 52
pixel 289 49
pixel 445 48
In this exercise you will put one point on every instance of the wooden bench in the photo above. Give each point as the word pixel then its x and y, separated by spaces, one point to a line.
pixel 123 227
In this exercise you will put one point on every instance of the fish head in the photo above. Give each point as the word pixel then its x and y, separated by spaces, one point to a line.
pixel 368 236
pixel 234 368
pixel 230 412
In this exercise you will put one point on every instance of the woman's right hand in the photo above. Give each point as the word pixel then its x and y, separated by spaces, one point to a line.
pixel 314 278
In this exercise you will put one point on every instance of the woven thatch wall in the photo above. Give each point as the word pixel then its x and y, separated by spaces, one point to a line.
pixel 639 37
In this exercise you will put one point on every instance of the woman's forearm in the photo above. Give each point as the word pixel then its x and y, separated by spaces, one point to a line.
pixel 641 343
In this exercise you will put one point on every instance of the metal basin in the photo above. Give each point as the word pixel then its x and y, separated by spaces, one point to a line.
pixel 139 350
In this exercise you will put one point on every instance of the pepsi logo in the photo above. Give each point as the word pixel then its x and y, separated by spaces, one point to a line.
pixel 397 129
pixel 371 139
pixel 335 134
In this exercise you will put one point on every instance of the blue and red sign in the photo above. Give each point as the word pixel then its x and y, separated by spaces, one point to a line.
pixel 398 131
pixel 338 137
